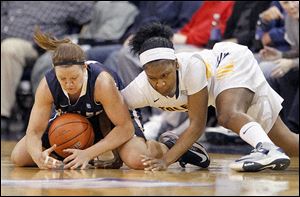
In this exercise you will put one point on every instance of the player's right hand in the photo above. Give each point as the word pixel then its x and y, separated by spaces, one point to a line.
pixel 47 162
pixel 153 164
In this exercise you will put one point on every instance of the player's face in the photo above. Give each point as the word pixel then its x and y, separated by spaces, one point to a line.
pixel 291 7
pixel 70 78
pixel 162 76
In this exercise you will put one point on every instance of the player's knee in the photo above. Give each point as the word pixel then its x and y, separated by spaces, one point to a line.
pixel 225 118
pixel 132 158
pixel 154 149
pixel 134 162
pixel 131 153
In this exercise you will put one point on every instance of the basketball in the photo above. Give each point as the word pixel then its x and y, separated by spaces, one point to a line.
pixel 70 131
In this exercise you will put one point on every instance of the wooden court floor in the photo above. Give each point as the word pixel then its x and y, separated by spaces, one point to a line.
pixel 217 180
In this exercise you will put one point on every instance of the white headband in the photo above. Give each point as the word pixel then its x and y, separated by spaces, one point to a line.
pixel 157 54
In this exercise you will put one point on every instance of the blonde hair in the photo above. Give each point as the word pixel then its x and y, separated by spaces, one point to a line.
pixel 64 50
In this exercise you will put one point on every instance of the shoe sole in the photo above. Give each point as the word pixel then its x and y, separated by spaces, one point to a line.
pixel 278 164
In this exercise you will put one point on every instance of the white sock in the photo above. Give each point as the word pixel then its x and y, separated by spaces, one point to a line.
pixel 253 133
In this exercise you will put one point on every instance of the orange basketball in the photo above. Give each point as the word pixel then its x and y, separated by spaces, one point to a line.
pixel 70 131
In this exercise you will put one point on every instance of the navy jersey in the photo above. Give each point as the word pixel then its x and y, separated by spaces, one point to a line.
pixel 86 104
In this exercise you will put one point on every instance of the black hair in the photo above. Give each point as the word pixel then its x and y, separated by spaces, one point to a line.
pixel 151 36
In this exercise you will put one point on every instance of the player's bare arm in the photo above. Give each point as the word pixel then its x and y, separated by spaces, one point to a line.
pixel 37 125
pixel 197 110
pixel 108 95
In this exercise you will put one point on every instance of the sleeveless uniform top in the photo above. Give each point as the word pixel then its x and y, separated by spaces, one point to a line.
pixel 85 104
pixel 190 79
pixel 227 65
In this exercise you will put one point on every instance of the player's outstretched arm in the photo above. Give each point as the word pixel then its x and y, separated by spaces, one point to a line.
pixel 37 125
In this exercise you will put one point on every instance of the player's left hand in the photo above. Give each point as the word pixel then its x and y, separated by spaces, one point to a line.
pixel 282 67
pixel 77 160
pixel 152 164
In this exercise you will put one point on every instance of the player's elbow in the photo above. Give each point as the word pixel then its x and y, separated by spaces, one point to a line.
pixel 17 158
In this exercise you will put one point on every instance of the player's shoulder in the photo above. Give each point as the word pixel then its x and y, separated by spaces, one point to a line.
pixel 139 86
pixel 141 80
pixel 104 80
pixel 44 90
pixel 186 58
pixel 189 60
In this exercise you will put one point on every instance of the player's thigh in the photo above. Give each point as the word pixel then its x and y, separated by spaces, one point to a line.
pixel 234 99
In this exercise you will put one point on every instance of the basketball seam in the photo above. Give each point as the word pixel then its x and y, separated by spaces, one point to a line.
pixel 72 144
pixel 63 125
pixel 89 139
pixel 71 138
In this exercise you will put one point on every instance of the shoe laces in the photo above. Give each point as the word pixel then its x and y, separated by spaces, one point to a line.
pixel 259 149
pixel 254 153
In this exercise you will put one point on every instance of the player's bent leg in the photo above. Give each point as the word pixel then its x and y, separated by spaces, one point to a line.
pixel 20 156
pixel 131 151
pixel 231 109
pixel 284 138
pixel 156 148
pixel 231 106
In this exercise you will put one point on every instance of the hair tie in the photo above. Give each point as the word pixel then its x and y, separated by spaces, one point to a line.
pixel 69 63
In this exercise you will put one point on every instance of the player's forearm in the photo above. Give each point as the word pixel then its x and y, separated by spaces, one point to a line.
pixel 34 144
pixel 185 141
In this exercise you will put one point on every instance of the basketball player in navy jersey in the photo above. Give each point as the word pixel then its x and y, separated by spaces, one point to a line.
pixel 78 86
pixel 227 77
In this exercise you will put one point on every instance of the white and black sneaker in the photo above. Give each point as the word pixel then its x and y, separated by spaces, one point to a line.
pixel 264 156
pixel 196 155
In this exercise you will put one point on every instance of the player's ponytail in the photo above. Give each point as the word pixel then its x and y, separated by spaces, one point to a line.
pixel 46 41
pixel 66 52
pixel 151 36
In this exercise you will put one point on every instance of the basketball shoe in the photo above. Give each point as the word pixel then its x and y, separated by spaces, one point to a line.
pixel 264 156
pixel 196 155
pixel 115 163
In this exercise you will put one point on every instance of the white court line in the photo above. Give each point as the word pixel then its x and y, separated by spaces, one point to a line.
pixel 97 183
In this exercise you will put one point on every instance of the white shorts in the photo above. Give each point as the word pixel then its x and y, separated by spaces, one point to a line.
pixel 240 69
